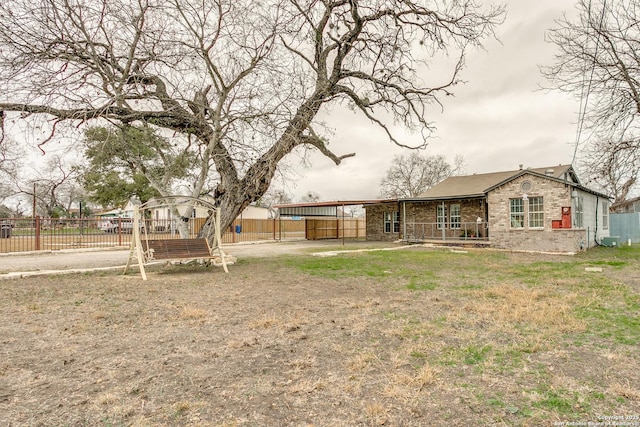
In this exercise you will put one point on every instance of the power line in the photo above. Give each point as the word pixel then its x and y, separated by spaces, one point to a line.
pixel 584 99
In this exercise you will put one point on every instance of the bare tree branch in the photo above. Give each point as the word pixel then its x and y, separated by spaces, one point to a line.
pixel 598 63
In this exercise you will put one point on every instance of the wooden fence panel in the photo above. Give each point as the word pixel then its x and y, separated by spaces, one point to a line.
pixel 335 228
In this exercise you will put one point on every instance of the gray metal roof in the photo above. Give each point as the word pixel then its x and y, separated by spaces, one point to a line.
pixel 321 208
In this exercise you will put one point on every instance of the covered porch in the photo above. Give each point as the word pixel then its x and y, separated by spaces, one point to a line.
pixel 459 220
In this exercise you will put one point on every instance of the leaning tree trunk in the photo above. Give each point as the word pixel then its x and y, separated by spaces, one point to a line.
pixel 233 194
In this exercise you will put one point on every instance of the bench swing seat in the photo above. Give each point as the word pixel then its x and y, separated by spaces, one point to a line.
pixel 147 251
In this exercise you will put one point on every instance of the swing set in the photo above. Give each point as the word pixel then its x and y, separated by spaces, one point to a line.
pixel 147 248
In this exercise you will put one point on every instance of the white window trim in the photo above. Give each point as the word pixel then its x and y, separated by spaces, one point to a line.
pixel 512 214
pixel 441 217
pixel 457 225
pixel 605 215
pixel 393 219
pixel 530 212
pixel 578 213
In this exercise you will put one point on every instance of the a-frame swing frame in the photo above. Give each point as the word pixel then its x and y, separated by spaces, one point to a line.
pixel 142 248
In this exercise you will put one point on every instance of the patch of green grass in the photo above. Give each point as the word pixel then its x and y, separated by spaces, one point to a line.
pixel 623 328
pixel 470 286
pixel 508 360
pixel 622 253
pixel 560 401
pixel 420 284
pixel 609 263
pixel 415 330
pixel 469 355
pixel 474 355
pixel 613 314
pixel 393 315
pixel 496 402
pixel 348 265
pixel 418 270
pixel 541 272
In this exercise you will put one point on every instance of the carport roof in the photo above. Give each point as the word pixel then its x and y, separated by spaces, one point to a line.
pixel 334 203
pixel 321 208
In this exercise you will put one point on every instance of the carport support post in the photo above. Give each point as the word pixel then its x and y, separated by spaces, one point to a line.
pixel 343 224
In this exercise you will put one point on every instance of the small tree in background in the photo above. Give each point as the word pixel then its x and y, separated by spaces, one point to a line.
pixel 274 197
pixel 56 188
pixel 9 161
pixel 413 174
pixel 310 197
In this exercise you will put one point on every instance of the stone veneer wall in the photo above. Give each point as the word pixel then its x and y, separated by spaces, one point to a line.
pixel 556 195
pixel 375 222
pixel 426 213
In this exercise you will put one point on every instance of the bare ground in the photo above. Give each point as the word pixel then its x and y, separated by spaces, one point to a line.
pixel 269 345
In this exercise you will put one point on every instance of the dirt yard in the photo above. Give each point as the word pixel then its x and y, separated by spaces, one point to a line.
pixel 415 337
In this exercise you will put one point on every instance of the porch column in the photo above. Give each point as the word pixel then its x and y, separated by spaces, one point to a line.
pixel 444 222
pixel 404 221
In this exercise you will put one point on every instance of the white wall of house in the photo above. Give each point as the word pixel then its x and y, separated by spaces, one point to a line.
pixel 595 217
pixel 255 212
pixel 164 213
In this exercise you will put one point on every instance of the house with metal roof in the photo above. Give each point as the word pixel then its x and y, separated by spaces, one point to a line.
pixel 541 209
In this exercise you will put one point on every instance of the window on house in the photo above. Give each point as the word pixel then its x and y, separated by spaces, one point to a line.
pixel 516 213
pixel 536 212
pixel 454 216
pixel 579 212
pixel 605 215
pixel 441 217
pixel 392 222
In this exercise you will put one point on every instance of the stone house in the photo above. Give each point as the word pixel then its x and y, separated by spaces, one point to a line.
pixel 543 209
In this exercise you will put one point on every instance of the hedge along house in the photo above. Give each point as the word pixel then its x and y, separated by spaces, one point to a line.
pixel 543 209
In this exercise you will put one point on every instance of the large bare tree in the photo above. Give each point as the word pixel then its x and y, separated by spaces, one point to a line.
pixel 239 82
pixel 598 62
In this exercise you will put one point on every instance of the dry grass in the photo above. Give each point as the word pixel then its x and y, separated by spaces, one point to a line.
pixel 193 313
pixel 625 390
pixel 541 308
pixel 199 348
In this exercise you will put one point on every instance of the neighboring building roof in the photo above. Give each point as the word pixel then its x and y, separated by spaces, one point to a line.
pixel 478 185
pixel 631 205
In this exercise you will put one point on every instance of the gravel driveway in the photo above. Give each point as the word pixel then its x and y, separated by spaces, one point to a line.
pixel 12 265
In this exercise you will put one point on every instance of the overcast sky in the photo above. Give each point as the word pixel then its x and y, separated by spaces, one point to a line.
pixel 498 120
